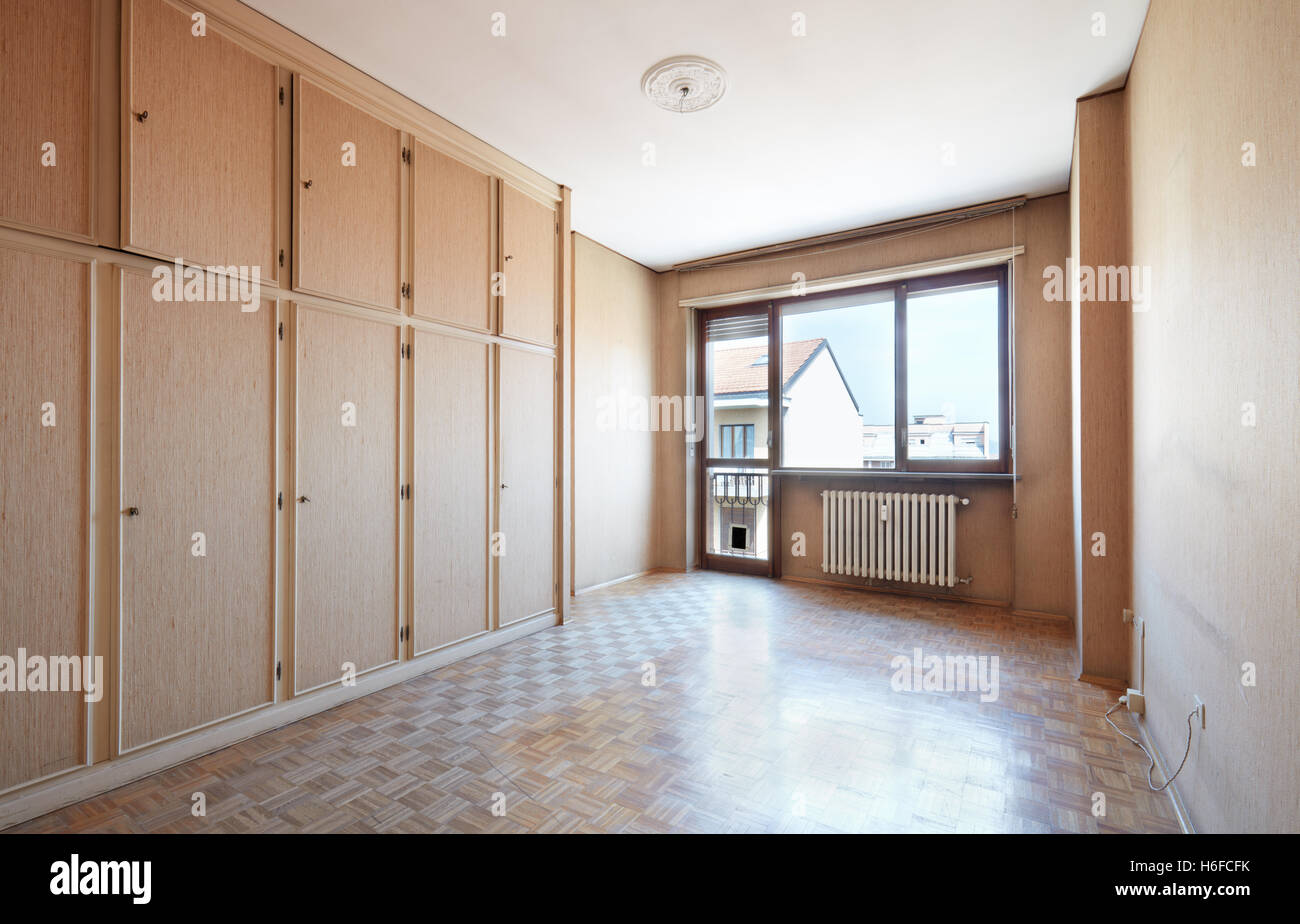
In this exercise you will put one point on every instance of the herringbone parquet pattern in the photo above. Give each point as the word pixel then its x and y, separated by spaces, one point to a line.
pixel 689 703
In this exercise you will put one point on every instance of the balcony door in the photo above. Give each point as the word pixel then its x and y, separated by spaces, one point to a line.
pixel 737 513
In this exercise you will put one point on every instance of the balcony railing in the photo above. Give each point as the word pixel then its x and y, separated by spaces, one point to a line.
pixel 738 505
pixel 739 488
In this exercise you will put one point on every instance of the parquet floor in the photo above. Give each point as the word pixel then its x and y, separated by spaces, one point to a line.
pixel 770 709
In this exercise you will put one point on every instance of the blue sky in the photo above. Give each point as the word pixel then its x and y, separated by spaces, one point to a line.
pixel 952 342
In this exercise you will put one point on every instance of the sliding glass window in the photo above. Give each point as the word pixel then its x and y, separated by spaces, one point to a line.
pixel 907 376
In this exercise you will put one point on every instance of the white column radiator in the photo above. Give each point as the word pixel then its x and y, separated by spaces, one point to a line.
pixel 891 536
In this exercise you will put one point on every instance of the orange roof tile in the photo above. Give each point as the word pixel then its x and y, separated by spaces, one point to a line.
pixel 735 372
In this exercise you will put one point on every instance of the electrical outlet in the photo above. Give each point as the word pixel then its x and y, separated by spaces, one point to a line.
pixel 1135 701
pixel 1199 705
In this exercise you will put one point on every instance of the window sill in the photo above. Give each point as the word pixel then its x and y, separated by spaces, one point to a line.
pixel 881 474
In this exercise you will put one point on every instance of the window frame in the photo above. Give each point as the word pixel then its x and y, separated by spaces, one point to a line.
pixel 747 439
pixel 998 274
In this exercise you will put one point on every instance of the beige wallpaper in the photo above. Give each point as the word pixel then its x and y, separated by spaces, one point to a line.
pixel 615 307
pixel 1216 497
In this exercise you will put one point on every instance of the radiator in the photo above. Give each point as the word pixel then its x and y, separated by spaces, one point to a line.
pixel 891 536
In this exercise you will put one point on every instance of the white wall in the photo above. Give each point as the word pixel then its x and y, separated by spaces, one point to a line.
pixel 822 426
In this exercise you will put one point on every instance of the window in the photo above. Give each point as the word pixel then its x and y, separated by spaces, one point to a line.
pixel 737 441
pixel 907 376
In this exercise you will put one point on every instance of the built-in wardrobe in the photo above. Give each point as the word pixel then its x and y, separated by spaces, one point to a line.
pixel 281 403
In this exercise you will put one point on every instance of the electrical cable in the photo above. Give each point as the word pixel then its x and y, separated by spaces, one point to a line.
pixel 1152 765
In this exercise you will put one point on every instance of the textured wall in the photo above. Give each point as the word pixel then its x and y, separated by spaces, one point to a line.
pixel 1216 564
pixel 615 310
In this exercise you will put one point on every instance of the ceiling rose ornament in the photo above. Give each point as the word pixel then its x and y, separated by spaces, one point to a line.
pixel 684 84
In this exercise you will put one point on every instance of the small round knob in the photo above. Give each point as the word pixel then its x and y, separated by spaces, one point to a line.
pixel 141 116
pixel 306 184
pixel 304 499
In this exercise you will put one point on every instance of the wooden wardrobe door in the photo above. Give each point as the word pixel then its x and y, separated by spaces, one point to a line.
pixel 348 217
pixel 452 241
pixel 345 507
pixel 201 166
pixel 527 478
pixel 47 59
pixel 450 498
pixel 44 439
pixel 528 261
pixel 198 463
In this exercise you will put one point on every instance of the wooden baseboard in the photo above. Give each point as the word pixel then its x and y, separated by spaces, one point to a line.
pixel 43 796
pixel 1038 614
pixel 1110 683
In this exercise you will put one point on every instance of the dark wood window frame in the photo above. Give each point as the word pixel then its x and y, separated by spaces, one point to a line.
pixel 901 288
pixel 1002 465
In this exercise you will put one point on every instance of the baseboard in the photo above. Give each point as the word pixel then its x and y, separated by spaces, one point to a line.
pixel 1110 683
pixel 620 580
pixel 1180 808
pixel 1039 614
pixel 43 796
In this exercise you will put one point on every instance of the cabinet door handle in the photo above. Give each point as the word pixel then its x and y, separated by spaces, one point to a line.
pixel 141 116
pixel 504 485
pixel 304 499
pixel 306 184
pixel 509 257
pixel 132 511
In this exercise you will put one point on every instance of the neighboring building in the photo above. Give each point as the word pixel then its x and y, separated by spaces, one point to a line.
pixel 822 426
pixel 929 436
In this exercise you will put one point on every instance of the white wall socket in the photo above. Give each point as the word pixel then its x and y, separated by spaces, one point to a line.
pixel 1199 705
pixel 1135 701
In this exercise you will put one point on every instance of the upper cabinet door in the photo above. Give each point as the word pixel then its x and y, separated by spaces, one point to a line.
pixel 200 127
pixel 528 232
pixel 47 61
pixel 347 201
pixel 452 242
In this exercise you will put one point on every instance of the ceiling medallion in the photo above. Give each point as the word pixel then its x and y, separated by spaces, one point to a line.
pixel 684 84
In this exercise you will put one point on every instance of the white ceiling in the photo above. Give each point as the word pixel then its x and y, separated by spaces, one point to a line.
pixel 841 128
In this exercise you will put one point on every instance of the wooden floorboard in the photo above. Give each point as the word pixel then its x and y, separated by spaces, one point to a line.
pixel 772 710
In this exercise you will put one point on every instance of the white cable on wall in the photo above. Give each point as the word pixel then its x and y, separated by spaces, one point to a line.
pixel 1152 765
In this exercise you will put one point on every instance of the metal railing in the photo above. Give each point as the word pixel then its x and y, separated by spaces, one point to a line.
pixel 738 506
